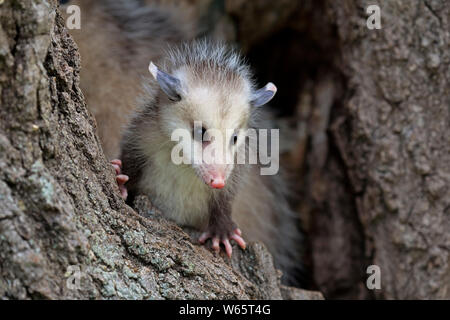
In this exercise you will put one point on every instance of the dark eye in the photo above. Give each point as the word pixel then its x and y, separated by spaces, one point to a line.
pixel 199 133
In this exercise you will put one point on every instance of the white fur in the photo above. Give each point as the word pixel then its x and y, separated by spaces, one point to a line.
pixel 177 189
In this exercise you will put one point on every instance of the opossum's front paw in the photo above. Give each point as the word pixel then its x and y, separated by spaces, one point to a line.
pixel 120 178
pixel 225 240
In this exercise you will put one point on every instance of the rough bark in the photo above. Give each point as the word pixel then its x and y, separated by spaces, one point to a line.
pixel 393 135
pixel 61 216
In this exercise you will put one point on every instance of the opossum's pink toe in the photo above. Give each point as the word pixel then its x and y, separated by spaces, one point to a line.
pixel 117 165
pixel 117 162
pixel 236 236
pixel 116 168
pixel 120 178
pixel 239 240
pixel 203 237
pixel 123 192
pixel 228 248
pixel 216 244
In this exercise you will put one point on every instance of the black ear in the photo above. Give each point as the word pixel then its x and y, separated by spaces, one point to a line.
pixel 169 84
pixel 263 95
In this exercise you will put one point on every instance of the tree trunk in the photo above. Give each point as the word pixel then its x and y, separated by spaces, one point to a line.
pixel 64 230
pixel 393 134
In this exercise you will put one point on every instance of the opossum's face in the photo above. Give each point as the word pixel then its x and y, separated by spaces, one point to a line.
pixel 216 119
pixel 212 122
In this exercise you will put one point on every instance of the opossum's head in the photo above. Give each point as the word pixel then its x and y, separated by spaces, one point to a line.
pixel 211 99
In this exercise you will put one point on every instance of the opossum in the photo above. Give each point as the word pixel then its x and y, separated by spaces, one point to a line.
pixel 207 83
pixel 197 80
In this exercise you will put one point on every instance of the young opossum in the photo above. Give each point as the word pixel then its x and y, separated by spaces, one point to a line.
pixel 116 41
pixel 208 83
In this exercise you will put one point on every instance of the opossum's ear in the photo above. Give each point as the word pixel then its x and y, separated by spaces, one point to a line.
pixel 169 84
pixel 263 95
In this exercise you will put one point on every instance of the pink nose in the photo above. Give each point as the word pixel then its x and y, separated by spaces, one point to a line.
pixel 217 183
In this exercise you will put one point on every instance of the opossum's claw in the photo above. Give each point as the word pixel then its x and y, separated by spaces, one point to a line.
pixel 235 235
pixel 120 178
pixel 203 237
pixel 215 244
pixel 228 248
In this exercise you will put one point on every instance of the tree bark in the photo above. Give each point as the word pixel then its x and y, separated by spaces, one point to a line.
pixel 392 133
pixel 64 230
